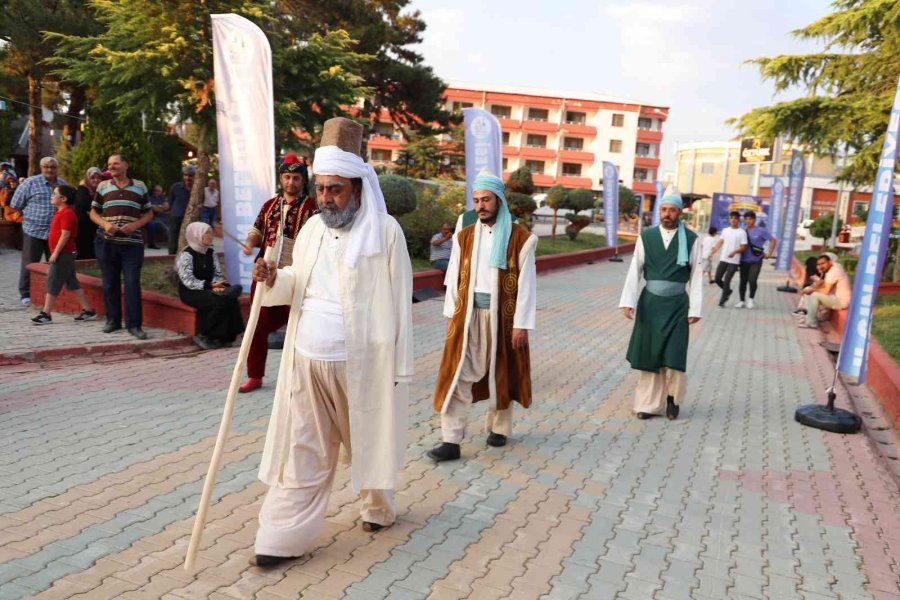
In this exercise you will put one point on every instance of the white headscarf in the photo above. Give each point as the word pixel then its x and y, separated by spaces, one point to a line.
pixel 194 233
pixel 366 240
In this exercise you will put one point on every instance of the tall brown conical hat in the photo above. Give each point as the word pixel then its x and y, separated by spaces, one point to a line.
pixel 343 133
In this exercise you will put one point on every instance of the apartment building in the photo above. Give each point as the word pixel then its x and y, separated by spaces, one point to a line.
pixel 711 167
pixel 562 137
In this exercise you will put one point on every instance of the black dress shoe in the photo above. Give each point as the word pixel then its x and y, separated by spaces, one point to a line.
pixel 446 451
pixel 110 327
pixel 372 527
pixel 643 415
pixel 496 440
pixel 138 333
pixel 265 561
pixel 671 408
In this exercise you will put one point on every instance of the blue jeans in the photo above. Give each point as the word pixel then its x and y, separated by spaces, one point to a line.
pixel 208 215
pixel 441 264
pixel 115 261
pixel 153 229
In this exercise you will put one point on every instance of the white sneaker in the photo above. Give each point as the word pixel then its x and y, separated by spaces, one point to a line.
pixel 739 304
pixel 750 303
pixel 26 301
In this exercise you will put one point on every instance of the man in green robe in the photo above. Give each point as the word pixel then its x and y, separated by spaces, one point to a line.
pixel 667 259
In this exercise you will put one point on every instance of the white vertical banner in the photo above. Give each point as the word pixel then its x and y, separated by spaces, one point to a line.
pixel 245 120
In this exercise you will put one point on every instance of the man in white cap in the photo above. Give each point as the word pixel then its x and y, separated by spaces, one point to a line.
pixel 667 258
pixel 348 354
pixel 490 307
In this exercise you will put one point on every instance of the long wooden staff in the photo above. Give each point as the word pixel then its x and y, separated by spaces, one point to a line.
pixel 225 426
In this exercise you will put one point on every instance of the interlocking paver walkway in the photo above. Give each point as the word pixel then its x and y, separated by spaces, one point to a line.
pixel 102 464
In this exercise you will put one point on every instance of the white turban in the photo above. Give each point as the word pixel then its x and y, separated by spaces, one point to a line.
pixel 366 241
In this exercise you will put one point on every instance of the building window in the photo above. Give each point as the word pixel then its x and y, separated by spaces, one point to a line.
pixel 571 169
pixel 746 169
pixel 503 112
pixel 381 155
pixel 641 175
pixel 538 114
pixel 536 141
pixel 506 164
pixel 506 138
pixel 458 106
pixel 571 143
pixel 575 118
pixel 618 120
pixel 384 129
pixel 535 166
pixel 642 150
pixel 645 123
pixel 615 145
pixel 707 168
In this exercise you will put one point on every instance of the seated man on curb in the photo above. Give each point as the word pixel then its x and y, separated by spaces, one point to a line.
pixel 441 246
pixel 832 291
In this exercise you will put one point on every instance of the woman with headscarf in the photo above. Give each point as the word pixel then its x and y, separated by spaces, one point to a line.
pixel 87 229
pixel 202 285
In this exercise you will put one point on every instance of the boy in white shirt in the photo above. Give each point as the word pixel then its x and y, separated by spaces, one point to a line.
pixel 706 252
pixel 732 242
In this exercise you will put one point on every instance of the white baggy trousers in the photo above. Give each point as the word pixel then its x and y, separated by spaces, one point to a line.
pixel 476 363
pixel 652 389
pixel 291 517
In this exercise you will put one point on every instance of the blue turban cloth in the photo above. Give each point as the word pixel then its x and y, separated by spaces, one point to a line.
pixel 503 226
pixel 673 198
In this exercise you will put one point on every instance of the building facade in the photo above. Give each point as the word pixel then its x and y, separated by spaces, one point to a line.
pixel 563 138
pixel 712 167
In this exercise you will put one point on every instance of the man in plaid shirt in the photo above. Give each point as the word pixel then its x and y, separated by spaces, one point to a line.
pixel 32 199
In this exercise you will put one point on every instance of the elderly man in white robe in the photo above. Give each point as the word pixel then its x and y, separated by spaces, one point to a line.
pixel 348 355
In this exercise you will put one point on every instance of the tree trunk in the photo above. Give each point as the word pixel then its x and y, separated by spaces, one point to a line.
pixel 896 275
pixel 553 228
pixel 73 122
pixel 192 211
pixel 35 123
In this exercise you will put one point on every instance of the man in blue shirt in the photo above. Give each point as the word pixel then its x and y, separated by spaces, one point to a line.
pixel 179 194
pixel 32 199
pixel 752 257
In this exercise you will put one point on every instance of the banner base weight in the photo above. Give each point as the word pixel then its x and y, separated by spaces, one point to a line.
pixel 836 420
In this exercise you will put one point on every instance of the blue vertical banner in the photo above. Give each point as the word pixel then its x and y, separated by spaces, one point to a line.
pixel 611 203
pixel 791 214
pixel 855 343
pixel 660 192
pixel 640 205
pixel 776 207
pixel 483 147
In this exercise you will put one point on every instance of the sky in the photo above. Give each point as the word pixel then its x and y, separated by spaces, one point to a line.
pixel 687 55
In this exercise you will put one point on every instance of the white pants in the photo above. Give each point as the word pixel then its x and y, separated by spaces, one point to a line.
pixel 475 365
pixel 652 389
pixel 816 300
pixel 291 517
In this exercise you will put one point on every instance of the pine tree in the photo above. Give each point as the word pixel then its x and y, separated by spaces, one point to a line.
pixel 851 86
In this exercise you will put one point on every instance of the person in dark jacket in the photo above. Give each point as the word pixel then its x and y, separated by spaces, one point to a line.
pixel 87 229
pixel 202 285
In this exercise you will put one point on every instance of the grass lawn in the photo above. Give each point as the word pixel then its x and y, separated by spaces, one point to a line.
pixel 886 324
pixel 562 243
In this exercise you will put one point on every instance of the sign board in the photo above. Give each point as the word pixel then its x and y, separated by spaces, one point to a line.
pixel 756 150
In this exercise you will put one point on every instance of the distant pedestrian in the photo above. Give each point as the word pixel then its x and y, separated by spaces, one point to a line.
pixel 441 247
pixel 202 285
pixel 732 243
pixel 758 237
pixel 210 211
pixel 62 235
pixel 706 252
pixel 120 210
pixel 666 259
pixel 32 199
pixel 84 198
pixel 159 205
pixel 9 181
pixel 179 195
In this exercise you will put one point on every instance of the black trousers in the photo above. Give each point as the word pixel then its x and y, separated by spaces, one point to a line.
pixel 33 249
pixel 724 273
pixel 749 274
pixel 174 231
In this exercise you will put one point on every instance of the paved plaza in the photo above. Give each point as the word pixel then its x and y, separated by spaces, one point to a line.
pixel 102 462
